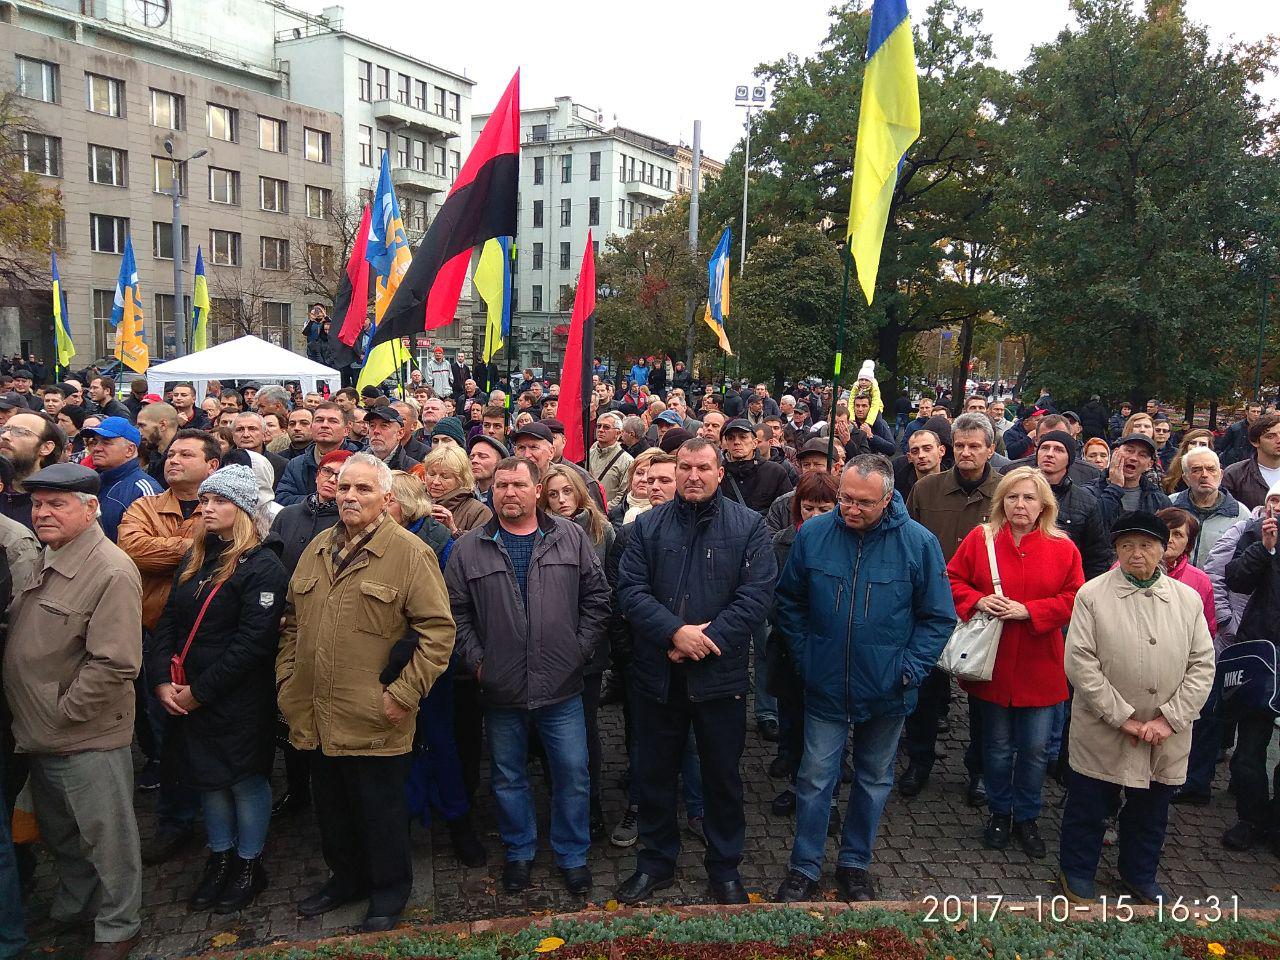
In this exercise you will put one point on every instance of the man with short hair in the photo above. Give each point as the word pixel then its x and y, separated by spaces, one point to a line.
pixel 158 425
pixel 1234 445
pixel 713 422
pixel 183 398
pixel 768 406
pixel 250 433
pixel 1126 487
pixel 297 432
pixel 924 410
pixel 1078 515
pixel 102 391
pixel 459 374
pixel 54 397
pixel 348 398
pixel 432 413
pixel 29 442
pixel 329 427
pixel 73 652
pixel 115 457
pixel 634 437
pixel 231 401
pixel 493 423
pixel 1205 500
pixel 607 460
pixel 925 452
pixel 1248 480
pixel 864 646
pixel 1115 426
pixel 385 428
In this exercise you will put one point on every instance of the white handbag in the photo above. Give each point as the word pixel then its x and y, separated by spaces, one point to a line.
pixel 970 653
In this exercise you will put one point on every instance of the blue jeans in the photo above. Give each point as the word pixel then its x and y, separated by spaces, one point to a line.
pixel 238 816
pixel 13 935
pixel 1015 757
pixel 766 703
pixel 562 728
pixel 875 743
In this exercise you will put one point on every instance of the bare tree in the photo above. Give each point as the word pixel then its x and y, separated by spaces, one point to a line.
pixel 319 248
pixel 239 303
pixel 30 212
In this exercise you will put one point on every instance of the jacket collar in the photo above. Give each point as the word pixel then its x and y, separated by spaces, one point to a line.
pixel 546 524
pixel 71 559
pixel 376 545
pixel 1162 588
pixel 168 503
pixel 115 474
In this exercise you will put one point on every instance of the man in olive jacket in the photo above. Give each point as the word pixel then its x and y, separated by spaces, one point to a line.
pixel 360 587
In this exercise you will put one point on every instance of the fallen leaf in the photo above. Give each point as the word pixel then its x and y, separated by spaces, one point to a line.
pixel 224 940
pixel 815 914
pixel 548 944
pixel 962 926
pixel 755 898
pixel 1202 924
pixel 611 905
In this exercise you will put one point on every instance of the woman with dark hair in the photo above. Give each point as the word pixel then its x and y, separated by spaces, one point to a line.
pixel 1183 530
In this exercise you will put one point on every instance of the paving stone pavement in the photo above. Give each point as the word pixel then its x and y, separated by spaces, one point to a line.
pixel 930 845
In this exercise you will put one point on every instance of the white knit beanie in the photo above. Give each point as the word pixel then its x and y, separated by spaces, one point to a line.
pixel 868 371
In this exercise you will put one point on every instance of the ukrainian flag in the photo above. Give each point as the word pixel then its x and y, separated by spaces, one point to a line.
pixel 61 332
pixel 200 306
pixel 492 279
pixel 888 124
pixel 126 314
pixel 388 255
pixel 718 291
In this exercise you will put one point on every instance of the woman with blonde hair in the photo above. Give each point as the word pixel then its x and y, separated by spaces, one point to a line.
pixel 411 508
pixel 446 474
pixel 1040 571
pixel 635 500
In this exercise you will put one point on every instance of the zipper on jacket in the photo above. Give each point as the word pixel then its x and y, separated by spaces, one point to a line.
pixel 848 637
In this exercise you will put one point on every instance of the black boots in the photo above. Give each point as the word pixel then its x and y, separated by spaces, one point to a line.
pixel 247 880
pixel 216 871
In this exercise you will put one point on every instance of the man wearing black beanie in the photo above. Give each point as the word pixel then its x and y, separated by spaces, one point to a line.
pixel 1078 514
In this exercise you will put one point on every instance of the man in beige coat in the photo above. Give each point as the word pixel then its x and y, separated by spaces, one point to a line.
pixel 607 460
pixel 1141 663
pixel 360 588
pixel 74 650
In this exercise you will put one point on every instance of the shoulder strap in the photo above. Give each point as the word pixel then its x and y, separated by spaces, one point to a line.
pixel 182 657
pixel 605 472
pixel 991 557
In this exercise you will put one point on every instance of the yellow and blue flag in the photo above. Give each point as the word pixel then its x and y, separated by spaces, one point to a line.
pixel 200 306
pixel 389 257
pixel 127 317
pixel 718 291
pixel 889 122
pixel 492 279
pixel 61 331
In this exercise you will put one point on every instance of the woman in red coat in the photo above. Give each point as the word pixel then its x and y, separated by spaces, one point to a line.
pixel 1040 573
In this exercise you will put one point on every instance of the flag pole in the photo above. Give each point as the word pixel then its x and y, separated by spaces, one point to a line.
pixel 835 367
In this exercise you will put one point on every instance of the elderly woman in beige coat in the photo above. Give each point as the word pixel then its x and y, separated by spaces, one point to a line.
pixel 1140 660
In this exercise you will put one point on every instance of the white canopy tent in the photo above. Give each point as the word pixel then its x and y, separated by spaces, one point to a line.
pixel 248 358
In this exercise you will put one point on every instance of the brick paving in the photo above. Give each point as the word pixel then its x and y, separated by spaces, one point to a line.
pixel 930 845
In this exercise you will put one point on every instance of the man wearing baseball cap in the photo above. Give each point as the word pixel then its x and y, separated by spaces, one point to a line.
pixel 1126 487
pixel 114 449
pixel 385 427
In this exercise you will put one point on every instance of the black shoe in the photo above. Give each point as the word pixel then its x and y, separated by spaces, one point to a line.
pixel 289 804
pixel 1028 836
pixel 515 875
pixel 797 888
pixel 996 836
pixel 577 880
pixel 1243 836
pixel 217 870
pixel 855 884
pixel 167 843
pixel 640 886
pixel 728 891
pixel 768 728
pixel 1191 798
pixel 780 768
pixel 329 897
pixel 976 796
pixel 466 845
pixel 247 880
pixel 913 780
pixel 380 924
pixel 784 804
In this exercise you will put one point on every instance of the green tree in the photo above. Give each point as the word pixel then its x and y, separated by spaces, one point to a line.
pixel 28 209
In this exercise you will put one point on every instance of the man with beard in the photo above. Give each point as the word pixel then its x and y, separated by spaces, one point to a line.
pixel 385 427
pixel 29 442
pixel 102 391
pixel 299 433
pixel 158 425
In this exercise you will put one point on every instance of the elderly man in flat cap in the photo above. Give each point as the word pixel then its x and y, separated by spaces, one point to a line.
pixel 74 649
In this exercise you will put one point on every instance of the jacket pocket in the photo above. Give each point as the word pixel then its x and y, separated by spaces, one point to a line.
pixel 886 596
pixel 379 609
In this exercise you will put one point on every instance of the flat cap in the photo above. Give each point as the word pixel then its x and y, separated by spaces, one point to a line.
pixel 68 477
pixel 499 447
pixel 816 447
pixel 12 401
pixel 554 425
pixel 384 412
pixel 1139 521
pixel 1140 438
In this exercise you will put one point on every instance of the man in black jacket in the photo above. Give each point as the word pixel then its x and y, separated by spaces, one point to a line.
pixel 696 576
pixel 752 482
pixel 1078 514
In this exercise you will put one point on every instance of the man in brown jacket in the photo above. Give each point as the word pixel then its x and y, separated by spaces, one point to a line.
pixel 74 650
pixel 359 588
pixel 949 505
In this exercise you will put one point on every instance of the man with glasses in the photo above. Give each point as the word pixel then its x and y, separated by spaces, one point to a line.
pixel 607 460
pixel 29 442
pixel 864 604
pixel 115 457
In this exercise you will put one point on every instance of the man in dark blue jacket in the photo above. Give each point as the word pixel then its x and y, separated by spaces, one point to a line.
pixel 865 606
pixel 115 457
pixel 697 574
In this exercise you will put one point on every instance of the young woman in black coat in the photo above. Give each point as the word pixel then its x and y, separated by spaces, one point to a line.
pixel 221 740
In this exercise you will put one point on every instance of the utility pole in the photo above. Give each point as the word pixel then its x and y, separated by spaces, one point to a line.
pixel 180 317
pixel 691 305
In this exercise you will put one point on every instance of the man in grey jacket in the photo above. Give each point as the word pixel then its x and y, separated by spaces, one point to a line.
pixel 1205 499
pixel 530 602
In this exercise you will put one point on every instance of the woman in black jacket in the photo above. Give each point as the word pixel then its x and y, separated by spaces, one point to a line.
pixel 216 641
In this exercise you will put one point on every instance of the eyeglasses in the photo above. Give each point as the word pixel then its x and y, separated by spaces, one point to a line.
pixel 328 472
pixel 17 431
pixel 859 504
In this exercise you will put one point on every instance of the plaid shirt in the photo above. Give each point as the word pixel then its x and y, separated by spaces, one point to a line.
pixel 344 549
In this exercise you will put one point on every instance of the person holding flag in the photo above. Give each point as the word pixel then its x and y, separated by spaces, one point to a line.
pixel 200 306
pixel 388 254
pixel 126 315
pixel 351 306
pixel 61 330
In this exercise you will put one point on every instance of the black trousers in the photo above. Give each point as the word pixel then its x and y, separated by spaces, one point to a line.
pixel 468 731
pixel 661 731
pixel 591 709
pixel 1143 819
pixel 1257 792
pixel 364 826
pixel 921 730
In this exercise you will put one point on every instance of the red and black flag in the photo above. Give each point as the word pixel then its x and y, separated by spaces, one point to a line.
pixel 351 306
pixel 481 205
pixel 575 373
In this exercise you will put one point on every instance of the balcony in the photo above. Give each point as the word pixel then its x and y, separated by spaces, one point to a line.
pixel 647 191
pixel 418 181
pixel 403 115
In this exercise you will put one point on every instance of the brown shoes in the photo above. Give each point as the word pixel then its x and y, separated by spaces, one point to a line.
pixel 112 951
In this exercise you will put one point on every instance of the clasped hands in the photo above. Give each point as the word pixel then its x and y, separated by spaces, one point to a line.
pixel 690 642
pixel 1155 731
pixel 1003 608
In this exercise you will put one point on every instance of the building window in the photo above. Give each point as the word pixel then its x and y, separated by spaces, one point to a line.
pixel 402 151
pixel 539 171
pixel 622 169
pixel 38 80
pixel 319 200
pixel 455 106
pixel 537 256
pixel 107 165
pixel 415 216
pixel 364 78
pixel 224 248
pixel 166 110
pixel 105 95
pixel 566 168
pixel 165 329
pixel 420 94
pixel 162 241
pixel 565 255
pixel 622 213
pixel 103 333
pixel 419 157
pixel 320 259
pixel 595 165
pixel 273 194
pixel 631 212
pixel 223 123
pixel 384 144
pixel 566 212
pixel 438 106
pixel 384 84
pixel 537 213
pixel 595 248
pixel 315 145
pixel 162 176
pixel 271 134
pixel 366 146
pixel 224 185
pixel 535 301
pixel 41 154
pixel 439 160
pixel 107 233
pixel 404 88
pixel 539 134
pixel 455 165
pixel 593 212
pixel 275 253
pixel 275 323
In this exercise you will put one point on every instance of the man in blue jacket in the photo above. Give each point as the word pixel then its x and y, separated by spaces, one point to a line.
pixel 115 456
pixel 330 425
pixel 695 577
pixel 865 606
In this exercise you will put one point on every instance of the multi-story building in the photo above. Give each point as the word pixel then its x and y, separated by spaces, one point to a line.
pixel 575 175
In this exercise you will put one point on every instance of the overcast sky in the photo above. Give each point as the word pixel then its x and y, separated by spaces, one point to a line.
pixel 657 68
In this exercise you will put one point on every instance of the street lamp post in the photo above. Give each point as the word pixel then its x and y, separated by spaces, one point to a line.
pixel 751 99
pixel 180 318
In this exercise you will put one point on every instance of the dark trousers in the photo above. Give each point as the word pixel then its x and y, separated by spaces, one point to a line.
pixel 364 827
pixel 435 775
pixel 590 709
pixel 661 730
pixel 921 731
pixel 1257 794
pixel 468 732
pixel 1143 818
pixel 297 771
pixel 1206 741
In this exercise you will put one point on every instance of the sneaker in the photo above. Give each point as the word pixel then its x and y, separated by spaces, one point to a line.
pixel 695 828
pixel 626 832
pixel 855 884
pixel 996 836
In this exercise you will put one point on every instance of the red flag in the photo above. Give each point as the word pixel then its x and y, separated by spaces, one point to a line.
pixel 575 372
pixel 352 303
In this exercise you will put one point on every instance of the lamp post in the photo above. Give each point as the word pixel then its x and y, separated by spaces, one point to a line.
pixel 180 318
pixel 751 99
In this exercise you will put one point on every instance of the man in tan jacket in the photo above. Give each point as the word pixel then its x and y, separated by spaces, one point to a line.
pixel 74 650
pixel 359 588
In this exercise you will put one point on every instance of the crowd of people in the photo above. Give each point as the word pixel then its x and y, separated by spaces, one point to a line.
pixel 372 586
